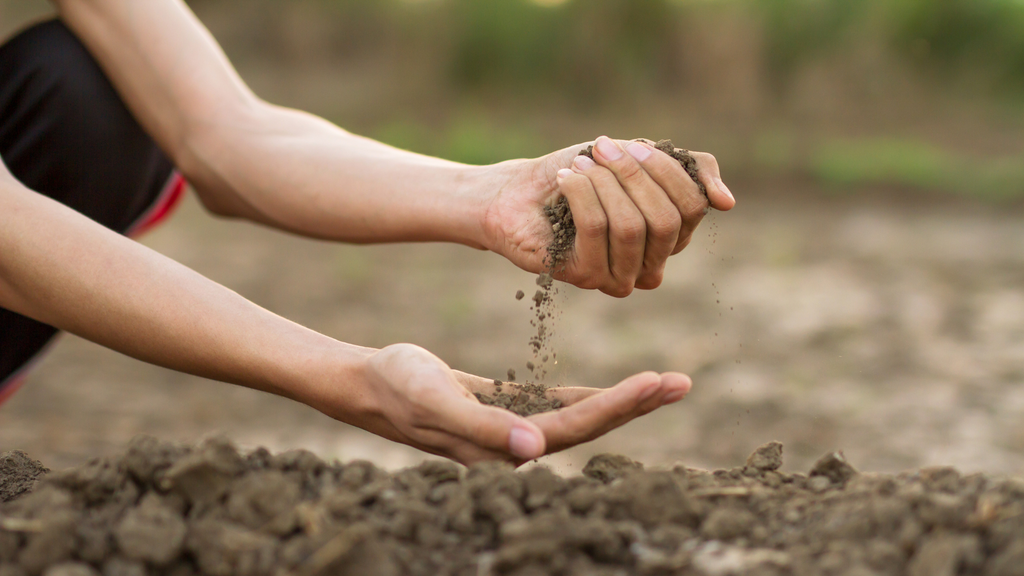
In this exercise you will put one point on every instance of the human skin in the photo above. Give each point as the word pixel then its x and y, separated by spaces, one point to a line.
pixel 634 207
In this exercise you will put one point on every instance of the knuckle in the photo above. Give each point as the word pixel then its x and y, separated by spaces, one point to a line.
pixel 705 159
pixel 650 280
pixel 619 290
pixel 693 210
pixel 663 167
pixel 666 225
pixel 593 228
pixel 631 230
pixel 630 171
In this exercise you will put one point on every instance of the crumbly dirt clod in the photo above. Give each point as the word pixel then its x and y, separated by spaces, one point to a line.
pixel 523 399
pixel 293 514
pixel 766 458
pixel 18 474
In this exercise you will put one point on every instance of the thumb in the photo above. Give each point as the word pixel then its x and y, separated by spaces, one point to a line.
pixel 495 429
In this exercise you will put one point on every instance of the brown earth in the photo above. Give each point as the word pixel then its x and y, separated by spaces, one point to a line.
pixel 523 399
pixel 163 508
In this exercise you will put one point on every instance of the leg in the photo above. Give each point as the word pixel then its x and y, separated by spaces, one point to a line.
pixel 65 133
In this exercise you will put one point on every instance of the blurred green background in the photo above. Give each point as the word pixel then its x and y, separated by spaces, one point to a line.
pixel 927 94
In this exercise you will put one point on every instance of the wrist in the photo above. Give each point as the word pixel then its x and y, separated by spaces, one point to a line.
pixel 329 376
pixel 498 182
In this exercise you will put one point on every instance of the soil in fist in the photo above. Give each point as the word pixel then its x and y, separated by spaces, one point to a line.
pixel 559 251
pixel 167 509
pixel 523 399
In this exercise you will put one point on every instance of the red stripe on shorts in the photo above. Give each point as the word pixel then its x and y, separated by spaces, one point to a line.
pixel 164 206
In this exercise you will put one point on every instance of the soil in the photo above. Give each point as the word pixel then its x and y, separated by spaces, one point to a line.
pixel 523 399
pixel 162 508
pixel 558 252
pixel 18 474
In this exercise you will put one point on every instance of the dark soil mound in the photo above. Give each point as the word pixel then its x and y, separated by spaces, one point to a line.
pixel 166 509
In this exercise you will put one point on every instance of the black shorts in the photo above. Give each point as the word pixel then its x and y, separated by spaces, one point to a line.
pixel 65 133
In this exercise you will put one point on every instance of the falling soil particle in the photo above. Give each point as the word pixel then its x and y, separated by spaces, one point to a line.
pixel 293 514
pixel 520 294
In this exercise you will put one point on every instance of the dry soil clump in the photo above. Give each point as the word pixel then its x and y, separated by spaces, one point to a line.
pixel 167 509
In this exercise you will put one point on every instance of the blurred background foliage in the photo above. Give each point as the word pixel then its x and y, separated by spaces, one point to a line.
pixel 925 94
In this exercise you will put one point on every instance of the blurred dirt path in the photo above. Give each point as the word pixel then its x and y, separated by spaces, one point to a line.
pixel 886 326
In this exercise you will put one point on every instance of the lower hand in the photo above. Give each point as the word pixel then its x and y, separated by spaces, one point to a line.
pixel 633 205
pixel 412 397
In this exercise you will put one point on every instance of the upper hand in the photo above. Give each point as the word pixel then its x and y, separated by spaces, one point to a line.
pixel 634 206
pixel 414 398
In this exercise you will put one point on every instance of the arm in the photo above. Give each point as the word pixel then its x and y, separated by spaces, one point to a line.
pixel 634 208
pixel 251 159
pixel 59 267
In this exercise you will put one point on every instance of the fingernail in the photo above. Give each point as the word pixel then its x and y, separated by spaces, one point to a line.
pixel 673 397
pixel 583 163
pixel 564 173
pixel 638 151
pixel 524 444
pixel 721 186
pixel 608 149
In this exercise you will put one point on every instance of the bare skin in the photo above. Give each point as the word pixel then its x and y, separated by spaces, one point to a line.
pixel 294 171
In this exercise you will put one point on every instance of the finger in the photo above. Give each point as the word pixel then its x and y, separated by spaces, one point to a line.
pixel 627 230
pixel 611 408
pixel 570 395
pixel 678 186
pixel 719 195
pixel 590 252
pixel 661 216
pixel 491 428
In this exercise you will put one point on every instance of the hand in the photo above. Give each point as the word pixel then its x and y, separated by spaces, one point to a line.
pixel 414 398
pixel 633 205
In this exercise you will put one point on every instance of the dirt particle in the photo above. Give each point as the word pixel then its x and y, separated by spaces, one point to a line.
pixel 608 467
pixel 539 297
pixel 834 467
pixel 766 457
pixel 151 532
pixel 520 294
pixel 18 474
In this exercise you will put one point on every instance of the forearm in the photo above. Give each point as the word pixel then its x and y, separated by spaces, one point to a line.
pixel 63 269
pixel 269 164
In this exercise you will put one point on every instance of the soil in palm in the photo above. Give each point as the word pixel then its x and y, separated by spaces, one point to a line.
pixel 544 309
